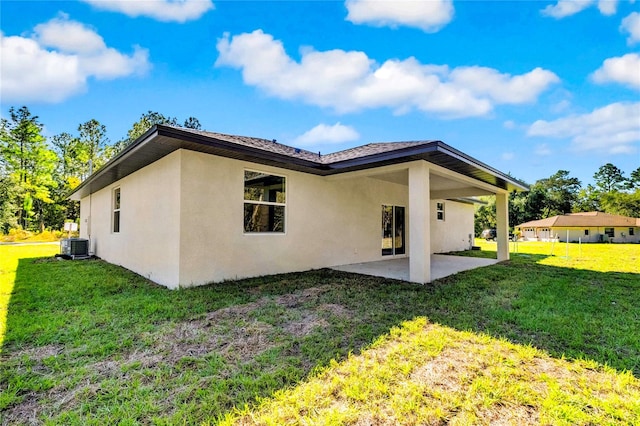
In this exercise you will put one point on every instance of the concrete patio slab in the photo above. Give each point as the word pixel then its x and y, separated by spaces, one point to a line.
pixel 441 266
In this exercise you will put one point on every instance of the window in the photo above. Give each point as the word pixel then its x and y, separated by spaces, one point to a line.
pixel 609 232
pixel 586 232
pixel 264 202
pixel 631 232
pixel 440 211
pixel 116 210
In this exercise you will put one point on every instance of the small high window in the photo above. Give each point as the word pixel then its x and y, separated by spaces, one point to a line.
pixel 264 202
pixel 586 232
pixel 631 232
pixel 440 211
pixel 116 210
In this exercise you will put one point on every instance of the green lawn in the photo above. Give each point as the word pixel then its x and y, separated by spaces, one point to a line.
pixel 540 339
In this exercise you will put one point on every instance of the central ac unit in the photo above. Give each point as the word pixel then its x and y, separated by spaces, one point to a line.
pixel 74 247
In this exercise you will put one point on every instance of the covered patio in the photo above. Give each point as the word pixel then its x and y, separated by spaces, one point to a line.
pixel 442 265
pixel 450 176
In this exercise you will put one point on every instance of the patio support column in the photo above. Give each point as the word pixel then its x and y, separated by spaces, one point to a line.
pixel 419 223
pixel 502 219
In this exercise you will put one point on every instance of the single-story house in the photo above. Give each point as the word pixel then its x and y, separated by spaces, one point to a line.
pixel 185 207
pixel 587 227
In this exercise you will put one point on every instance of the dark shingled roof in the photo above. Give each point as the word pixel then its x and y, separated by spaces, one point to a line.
pixel 161 140
pixel 303 154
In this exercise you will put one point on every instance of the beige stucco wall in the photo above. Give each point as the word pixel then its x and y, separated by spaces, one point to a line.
pixel 182 222
pixel 327 222
pixel 452 233
pixel 596 234
pixel 149 221
pixel 621 234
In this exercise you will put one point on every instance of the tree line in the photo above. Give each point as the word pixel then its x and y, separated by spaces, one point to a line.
pixel 37 174
pixel 561 193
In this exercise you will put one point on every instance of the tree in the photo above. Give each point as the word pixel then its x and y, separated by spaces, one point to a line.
pixel 68 150
pixel 517 208
pixel 634 179
pixel 535 203
pixel 70 167
pixel 622 203
pixel 192 123
pixel 28 164
pixel 609 178
pixel 8 206
pixel 91 144
pixel 147 121
pixel 485 215
pixel 588 200
pixel 561 193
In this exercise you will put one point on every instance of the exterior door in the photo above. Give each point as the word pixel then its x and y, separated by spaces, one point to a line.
pixel 393 230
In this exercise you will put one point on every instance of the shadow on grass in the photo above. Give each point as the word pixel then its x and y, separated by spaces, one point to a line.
pixel 78 330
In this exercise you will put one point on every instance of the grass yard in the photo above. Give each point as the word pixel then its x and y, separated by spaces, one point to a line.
pixel 540 339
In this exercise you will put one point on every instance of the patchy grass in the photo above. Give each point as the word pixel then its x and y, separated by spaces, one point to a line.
pixel 9 256
pixel 518 342
pixel 423 373
pixel 592 257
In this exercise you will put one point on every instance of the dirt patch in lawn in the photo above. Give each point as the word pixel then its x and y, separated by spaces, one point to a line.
pixel 230 333
pixel 336 310
pixel 305 325
pixel 41 352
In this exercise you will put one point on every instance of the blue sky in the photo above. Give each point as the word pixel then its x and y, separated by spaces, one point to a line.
pixel 526 87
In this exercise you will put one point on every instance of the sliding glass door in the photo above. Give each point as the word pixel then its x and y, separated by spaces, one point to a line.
pixel 393 240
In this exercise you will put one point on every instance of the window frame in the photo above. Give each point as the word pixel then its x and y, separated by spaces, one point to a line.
pixel 610 235
pixel 265 203
pixel 632 231
pixel 440 215
pixel 395 250
pixel 116 208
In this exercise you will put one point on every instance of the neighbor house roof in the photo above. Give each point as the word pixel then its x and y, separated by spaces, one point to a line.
pixel 585 219
pixel 161 140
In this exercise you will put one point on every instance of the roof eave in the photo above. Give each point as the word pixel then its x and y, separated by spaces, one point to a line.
pixel 171 139
pixel 85 186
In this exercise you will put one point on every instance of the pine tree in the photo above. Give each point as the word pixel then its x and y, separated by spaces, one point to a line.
pixel 28 164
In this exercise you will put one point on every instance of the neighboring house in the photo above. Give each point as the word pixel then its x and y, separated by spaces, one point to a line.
pixel 588 227
pixel 185 207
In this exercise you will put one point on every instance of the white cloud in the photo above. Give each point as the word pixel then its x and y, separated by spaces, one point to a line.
pixel 614 128
pixel 623 69
pixel 608 7
pixel 564 8
pixel 54 64
pixel 68 36
pixel 326 134
pixel 428 15
pixel 509 124
pixel 508 156
pixel 161 10
pixel 560 106
pixel 631 24
pixel 543 150
pixel 351 81
pixel 503 88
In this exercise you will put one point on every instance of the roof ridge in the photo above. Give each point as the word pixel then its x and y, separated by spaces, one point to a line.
pixel 317 157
